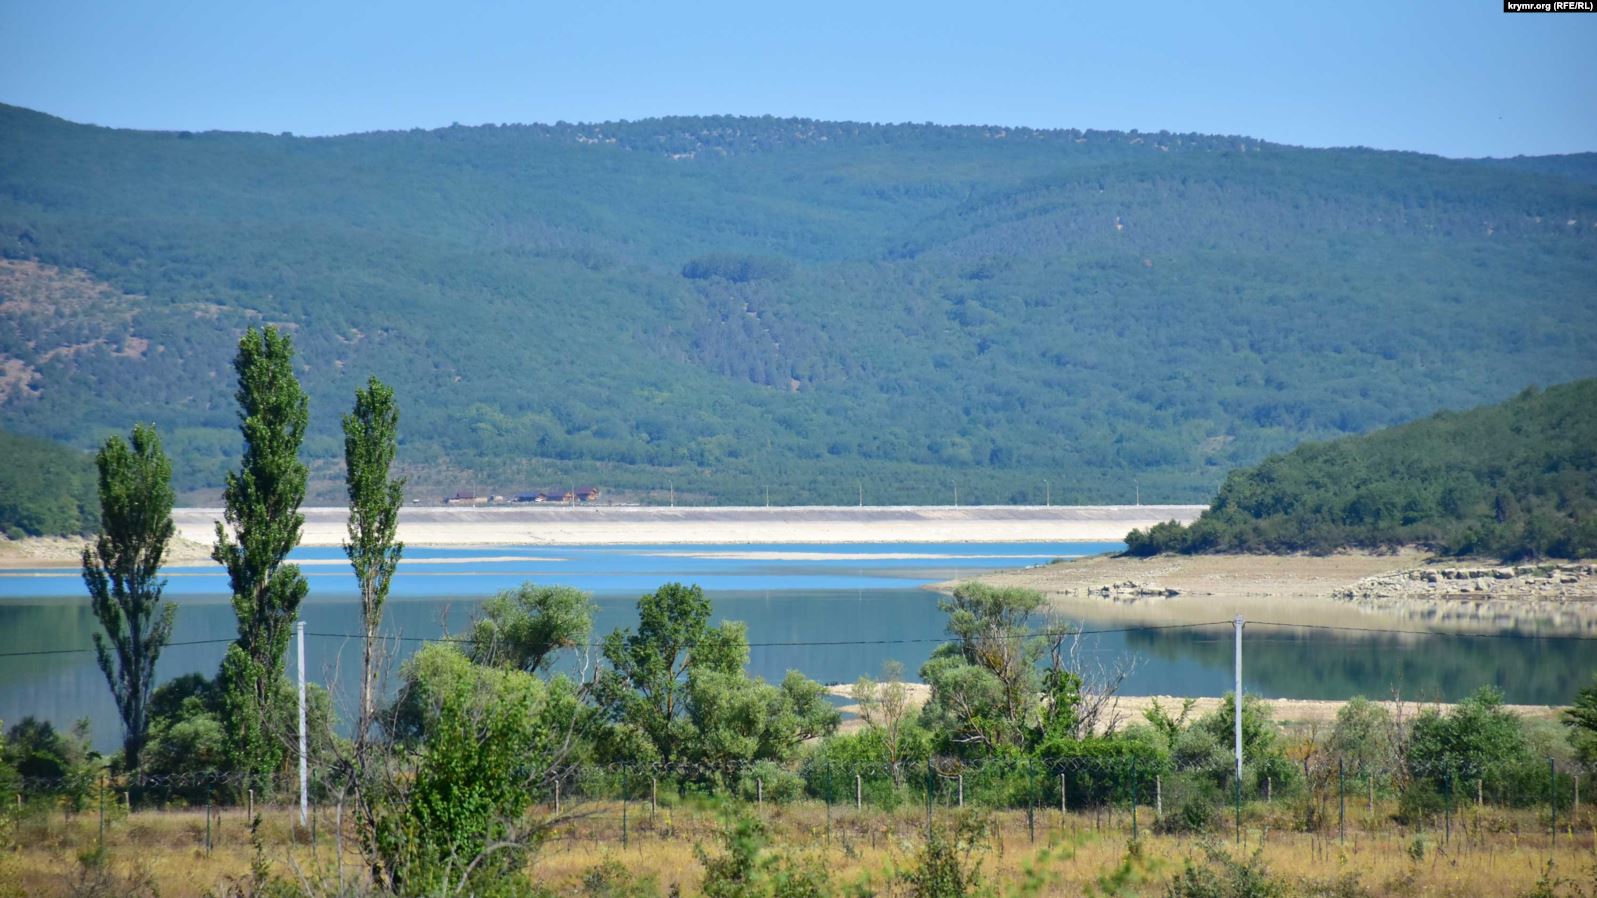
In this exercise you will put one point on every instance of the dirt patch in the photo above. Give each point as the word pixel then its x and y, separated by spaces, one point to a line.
pixel 16 376
pixel 58 313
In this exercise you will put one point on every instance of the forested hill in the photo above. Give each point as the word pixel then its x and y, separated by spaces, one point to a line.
pixel 726 304
pixel 46 489
pixel 1515 480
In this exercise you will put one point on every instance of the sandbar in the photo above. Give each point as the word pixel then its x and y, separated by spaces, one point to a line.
pixel 632 525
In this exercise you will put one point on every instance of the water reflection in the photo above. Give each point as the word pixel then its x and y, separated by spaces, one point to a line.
pixel 863 610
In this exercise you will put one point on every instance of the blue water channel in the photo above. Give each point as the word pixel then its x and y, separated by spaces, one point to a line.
pixel 834 612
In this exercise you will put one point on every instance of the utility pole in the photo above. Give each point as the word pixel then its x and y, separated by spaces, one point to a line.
pixel 673 493
pixel 1047 493
pixel 767 495
pixel 956 495
pixel 304 790
pixel 861 484
pixel 1236 708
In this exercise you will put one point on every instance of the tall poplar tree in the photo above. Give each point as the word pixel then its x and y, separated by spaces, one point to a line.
pixel 122 572
pixel 371 436
pixel 261 507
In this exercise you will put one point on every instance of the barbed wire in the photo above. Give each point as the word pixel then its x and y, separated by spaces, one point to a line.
pixel 947 767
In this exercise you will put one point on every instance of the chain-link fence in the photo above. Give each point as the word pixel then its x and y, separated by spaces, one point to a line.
pixel 618 802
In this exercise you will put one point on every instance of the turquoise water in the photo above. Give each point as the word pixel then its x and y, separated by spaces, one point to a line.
pixel 863 604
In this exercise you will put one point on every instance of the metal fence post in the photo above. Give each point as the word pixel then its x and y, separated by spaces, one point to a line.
pixel 1447 809
pixel 1134 831
pixel 1236 712
pixel 1552 799
pixel 1341 799
pixel 826 798
pixel 1031 802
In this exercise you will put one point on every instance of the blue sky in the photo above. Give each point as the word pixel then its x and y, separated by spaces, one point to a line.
pixel 1457 78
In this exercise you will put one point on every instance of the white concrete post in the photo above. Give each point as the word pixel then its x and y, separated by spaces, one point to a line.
pixel 304 788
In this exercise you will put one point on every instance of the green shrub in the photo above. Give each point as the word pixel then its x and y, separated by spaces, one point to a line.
pixel 947 865
pixel 771 781
pixel 612 879
pixel 1194 804
pixel 475 771
pixel 1224 876
pixel 1477 739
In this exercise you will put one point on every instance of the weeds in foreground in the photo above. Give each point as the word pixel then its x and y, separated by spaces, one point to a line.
pixel 1225 876
pixel 1135 869
pixel 1551 885
pixel 258 882
pixel 95 876
pixel 947 866
pixel 1041 871
pixel 745 869
pixel 612 879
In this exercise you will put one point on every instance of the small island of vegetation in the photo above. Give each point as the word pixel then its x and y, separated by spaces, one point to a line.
pixel 46 489
pixel 1516 480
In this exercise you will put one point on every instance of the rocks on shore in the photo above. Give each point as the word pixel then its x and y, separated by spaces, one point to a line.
pixel 1128 592
pixel 1559 594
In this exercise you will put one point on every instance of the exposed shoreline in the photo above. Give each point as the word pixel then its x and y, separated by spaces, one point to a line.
pixel 539 525
pixel 1290 713
pixel 1345 589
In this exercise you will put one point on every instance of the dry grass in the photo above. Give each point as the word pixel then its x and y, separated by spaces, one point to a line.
pixel 1489 852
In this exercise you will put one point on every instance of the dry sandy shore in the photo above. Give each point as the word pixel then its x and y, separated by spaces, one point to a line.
pixel 56 551
pixel 1299 589
pixel 1298 714
pixel 636 525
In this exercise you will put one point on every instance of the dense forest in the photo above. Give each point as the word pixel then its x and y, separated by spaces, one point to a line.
pixel 46 489
pixel 1516 480
pixel 724 304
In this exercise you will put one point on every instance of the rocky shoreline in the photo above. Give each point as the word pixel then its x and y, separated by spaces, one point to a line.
pixel 1343 589
pixel 1561 595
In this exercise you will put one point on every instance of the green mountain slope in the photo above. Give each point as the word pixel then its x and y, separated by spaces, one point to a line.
pixel 730 303
pixel 46 489
pixel 1518 479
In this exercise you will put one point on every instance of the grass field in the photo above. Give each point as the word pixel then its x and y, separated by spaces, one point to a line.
pixel 1486 852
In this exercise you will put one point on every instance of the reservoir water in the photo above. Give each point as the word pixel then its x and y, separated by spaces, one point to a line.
pixel 834 612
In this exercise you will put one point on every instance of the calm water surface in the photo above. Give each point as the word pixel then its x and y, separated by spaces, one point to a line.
pixel 868 595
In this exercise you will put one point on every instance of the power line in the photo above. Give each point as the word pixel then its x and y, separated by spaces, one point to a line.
pixel 1572 636
pixel 784 644
pixel 799 643
pixel 78 651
